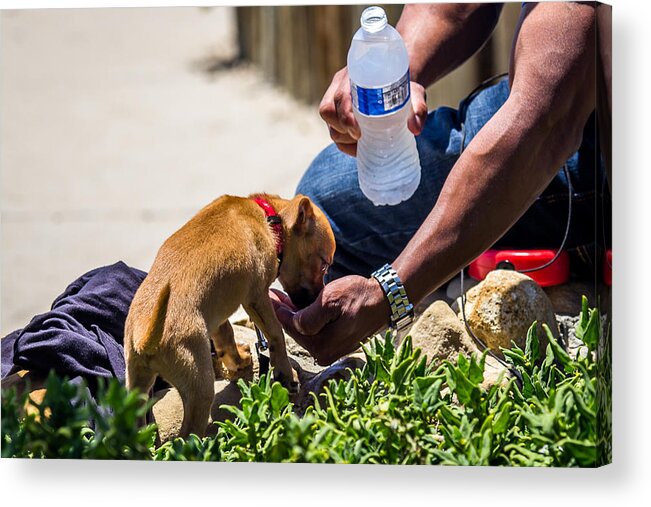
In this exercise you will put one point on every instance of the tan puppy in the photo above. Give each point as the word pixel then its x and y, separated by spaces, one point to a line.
pixel 226 255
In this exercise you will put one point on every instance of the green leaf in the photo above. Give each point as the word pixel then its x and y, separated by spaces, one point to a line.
pixel 532 345
pixel 279 398
pixel 584 451
pixel 559 353
pixel 450 375
pixel 405 350
pixel 501 420
pixel 515 357
pixel 549 358
pixel 464 389
pixel 584 314
pixel 462 363
pixel 587 330
pixel 527 386
pixel 450 418
pixel 401 373
pixel 426 391
pixel 486 449
pixel 476 369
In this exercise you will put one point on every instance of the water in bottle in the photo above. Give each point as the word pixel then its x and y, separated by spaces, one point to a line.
pixel 388 165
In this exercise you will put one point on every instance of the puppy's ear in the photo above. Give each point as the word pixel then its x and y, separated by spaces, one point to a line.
pixel 304 215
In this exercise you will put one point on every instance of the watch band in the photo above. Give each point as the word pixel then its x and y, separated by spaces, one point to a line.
pixel 402 311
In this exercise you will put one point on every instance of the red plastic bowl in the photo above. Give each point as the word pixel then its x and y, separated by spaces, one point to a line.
pixel 556 273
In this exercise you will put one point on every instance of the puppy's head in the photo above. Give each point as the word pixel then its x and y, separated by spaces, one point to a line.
pixel 308 250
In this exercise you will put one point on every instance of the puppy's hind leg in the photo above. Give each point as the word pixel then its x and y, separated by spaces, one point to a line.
pixel 191 372
pixel 262 314
pixel 139 376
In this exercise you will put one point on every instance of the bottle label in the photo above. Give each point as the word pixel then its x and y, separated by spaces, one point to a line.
pixel 381 101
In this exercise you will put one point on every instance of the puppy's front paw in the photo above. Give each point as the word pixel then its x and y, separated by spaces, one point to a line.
pixel 290 382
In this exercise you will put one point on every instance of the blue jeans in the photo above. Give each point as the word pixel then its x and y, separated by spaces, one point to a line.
pixel 368 236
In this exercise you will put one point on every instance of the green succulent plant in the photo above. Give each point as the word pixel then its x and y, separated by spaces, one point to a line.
pixel 397 409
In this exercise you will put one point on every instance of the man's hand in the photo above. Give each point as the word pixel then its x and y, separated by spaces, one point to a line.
pixel 439 38
pixel 348 310
pixel 336 109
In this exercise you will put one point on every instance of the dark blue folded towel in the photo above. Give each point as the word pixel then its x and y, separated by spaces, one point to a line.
pixel 82 335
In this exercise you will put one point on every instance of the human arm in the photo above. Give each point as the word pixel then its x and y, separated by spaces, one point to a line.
pixel 518 152
pixel 439 38
pixel 501 172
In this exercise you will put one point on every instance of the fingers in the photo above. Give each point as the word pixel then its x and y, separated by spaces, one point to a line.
pixel 312 319
pixel 346 119
pixel 336 109
pixel 287 318
pixel 344 142
pixel 417 119
pixel 308 321
pixel 340 138
pixel 279 297
pixel 348 149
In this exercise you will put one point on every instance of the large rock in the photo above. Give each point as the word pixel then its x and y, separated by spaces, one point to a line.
pixel 503 306
pixel 440 335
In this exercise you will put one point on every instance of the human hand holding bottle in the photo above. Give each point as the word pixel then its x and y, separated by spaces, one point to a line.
pixel 439 37
pixel 336 109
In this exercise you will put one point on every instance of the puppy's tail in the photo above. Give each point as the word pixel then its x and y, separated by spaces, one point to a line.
pixel 154 332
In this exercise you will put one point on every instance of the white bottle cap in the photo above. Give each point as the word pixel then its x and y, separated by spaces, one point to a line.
pixel 373 19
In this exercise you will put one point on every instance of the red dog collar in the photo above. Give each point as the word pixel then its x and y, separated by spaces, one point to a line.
pixel 274 220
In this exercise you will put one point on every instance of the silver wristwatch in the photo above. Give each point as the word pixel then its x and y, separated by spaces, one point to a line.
pixel 402 311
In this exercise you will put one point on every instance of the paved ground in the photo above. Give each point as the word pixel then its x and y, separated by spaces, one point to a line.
pixel 112 137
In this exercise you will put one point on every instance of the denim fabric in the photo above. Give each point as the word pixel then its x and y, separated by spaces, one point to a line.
pixel 369 236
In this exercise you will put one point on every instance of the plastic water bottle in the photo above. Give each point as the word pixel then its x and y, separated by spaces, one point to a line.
pixel 388 166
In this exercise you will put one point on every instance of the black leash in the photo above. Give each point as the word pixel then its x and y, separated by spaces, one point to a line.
pixel 262 346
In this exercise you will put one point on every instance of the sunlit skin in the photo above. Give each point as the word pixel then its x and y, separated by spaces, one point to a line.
pixel 501 172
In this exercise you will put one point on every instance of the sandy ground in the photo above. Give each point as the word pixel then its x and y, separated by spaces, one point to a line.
pixel 112 136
